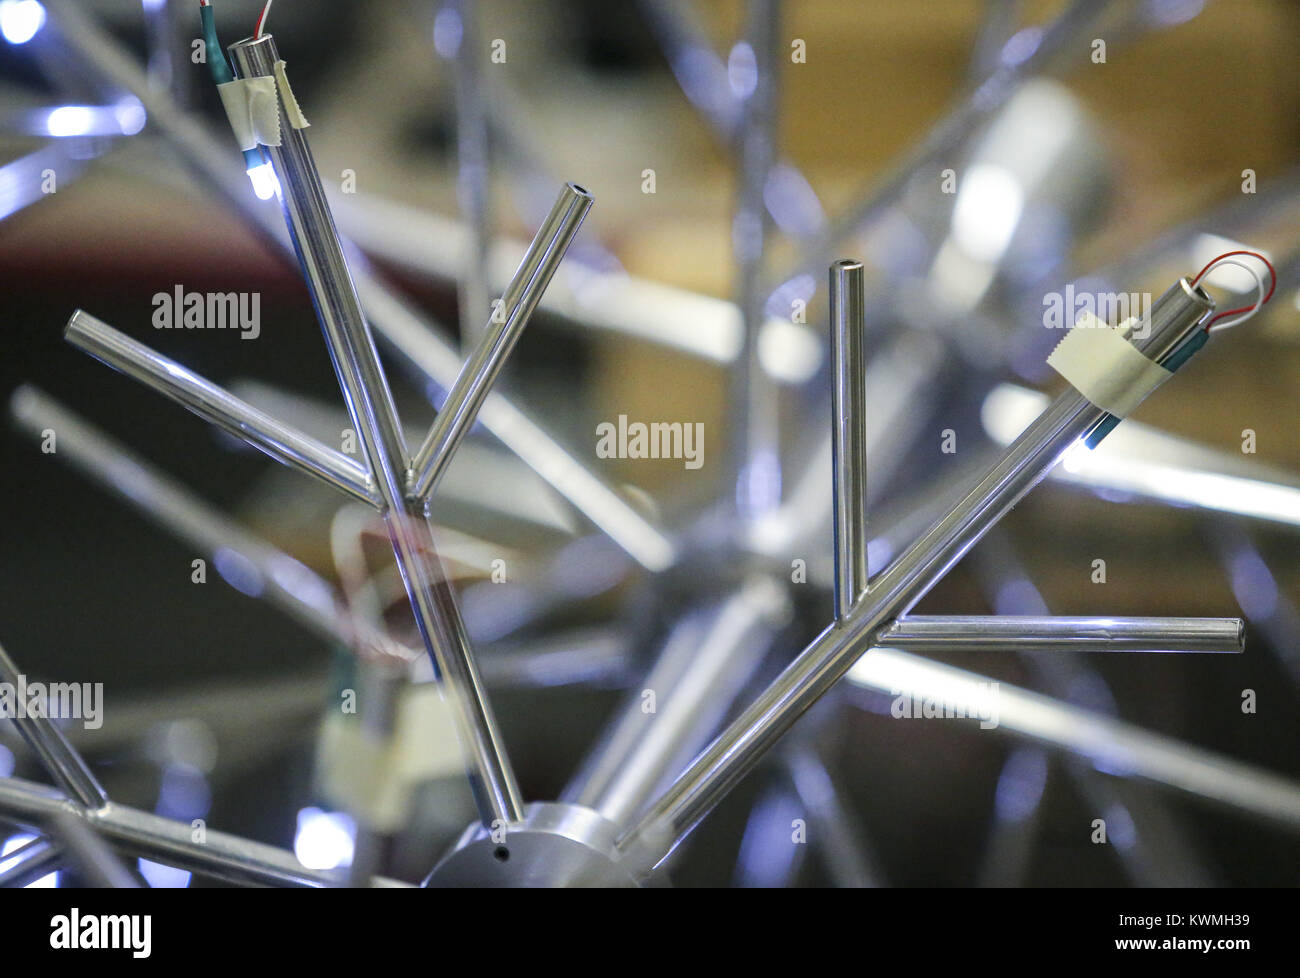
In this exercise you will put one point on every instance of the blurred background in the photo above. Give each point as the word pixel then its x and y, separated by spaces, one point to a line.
pixel 1126 173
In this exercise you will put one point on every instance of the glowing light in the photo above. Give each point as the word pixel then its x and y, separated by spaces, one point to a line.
pixel 1076 456
pixel 162 877
pixel 237 570
pixel 265 183
pixel 20 20
pixel 989 205
pixel 70 120
pixel 324 839
pixel 1147 463
pixel 742 70
pixel 448 32
pixel 130 115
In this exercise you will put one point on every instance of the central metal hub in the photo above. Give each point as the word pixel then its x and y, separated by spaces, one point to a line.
pixel 553 845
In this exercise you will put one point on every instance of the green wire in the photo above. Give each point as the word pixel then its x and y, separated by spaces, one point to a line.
pixel 218 67
pixel 220 71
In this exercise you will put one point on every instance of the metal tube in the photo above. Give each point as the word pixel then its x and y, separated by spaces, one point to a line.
pixel 473 181
pixel 849 425
pixel 369 400
pixel 38 858
pixel 247 561
pixel 1156 852
pixel 65 765
pixel 756 425
pixel 934 635
pixel 1111 745
pixel 91 856
pixel 404 329
pixel 257 568
pixel 226 857
pixel 500 335
pixel 1146 463
pixel 409 330
pixel 167 37
pixel 738 749
pixel 705 664
pixel 219 407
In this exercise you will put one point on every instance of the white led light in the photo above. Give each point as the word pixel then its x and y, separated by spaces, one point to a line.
pixel 70 120
pixel 20 20
pixel 323 839
pixel 265 185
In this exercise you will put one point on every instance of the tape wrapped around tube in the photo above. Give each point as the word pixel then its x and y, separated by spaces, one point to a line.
pixel 1105 367
pixel 253 108
pixel 291 109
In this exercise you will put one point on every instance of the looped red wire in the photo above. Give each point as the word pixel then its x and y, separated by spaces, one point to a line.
pixel 1272 278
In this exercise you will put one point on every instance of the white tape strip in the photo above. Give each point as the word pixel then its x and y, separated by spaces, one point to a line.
pixel 234 96
pixel 1105 367
pixel 253 109
pixel 264 106
pixel 291 110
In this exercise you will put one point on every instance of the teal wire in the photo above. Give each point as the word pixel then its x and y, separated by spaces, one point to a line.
pixel 220 71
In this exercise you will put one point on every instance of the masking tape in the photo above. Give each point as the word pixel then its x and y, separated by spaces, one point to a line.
pixel 291 110
pixel 234 96
pixel 253 109
pixel 1105 367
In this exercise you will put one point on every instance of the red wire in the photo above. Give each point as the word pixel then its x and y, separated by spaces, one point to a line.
pixel 261 21
pixel 1272 278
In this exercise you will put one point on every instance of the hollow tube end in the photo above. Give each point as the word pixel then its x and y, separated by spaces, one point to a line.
pixel 580 191
pixel 76 325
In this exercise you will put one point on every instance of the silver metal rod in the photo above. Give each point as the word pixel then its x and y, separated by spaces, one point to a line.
pixel 60 758
pixel 734 753
pixel 849 427
pixel 38 858
pixel 226 857
pixel 473 180
pixel 90 855
pixel 248 562
pixel 1156 852
pixel 1146 463
pixel 167 38
pixel 756 423
pixel 409 330
pixel 404 329
pixel 1111 745
pixel 610 301
pixel 218 406
pixel 499 337
pixel 369 400
pixel 933 635
pixel 255 567
pixel 706 663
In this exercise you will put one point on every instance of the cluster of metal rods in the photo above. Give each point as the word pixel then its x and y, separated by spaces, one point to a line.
pixel 710 659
